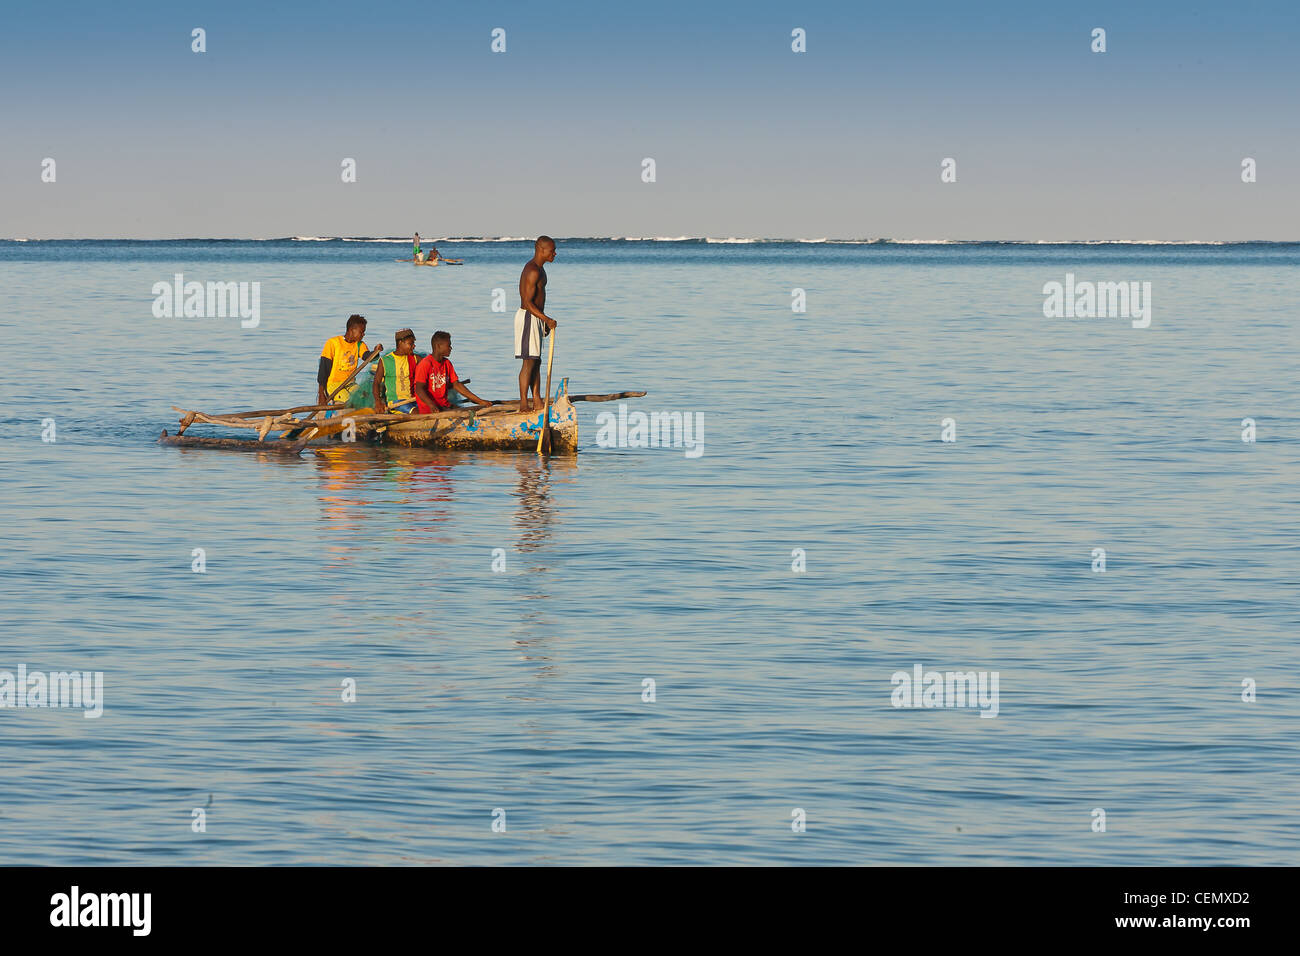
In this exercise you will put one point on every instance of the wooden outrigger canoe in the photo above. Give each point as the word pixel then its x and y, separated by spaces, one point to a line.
pixel 500 426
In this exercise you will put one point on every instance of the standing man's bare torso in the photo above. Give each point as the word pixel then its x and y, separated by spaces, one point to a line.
pixel 539 291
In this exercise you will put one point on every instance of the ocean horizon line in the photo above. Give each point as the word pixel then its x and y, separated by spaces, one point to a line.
pixel 711 240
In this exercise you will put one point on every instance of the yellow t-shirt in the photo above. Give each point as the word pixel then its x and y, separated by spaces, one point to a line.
pixel 345 356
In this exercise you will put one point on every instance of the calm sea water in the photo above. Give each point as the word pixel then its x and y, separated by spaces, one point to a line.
pixel 523 690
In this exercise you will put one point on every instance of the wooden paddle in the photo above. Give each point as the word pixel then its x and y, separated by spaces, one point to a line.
pixel 544 439
pixel 365 360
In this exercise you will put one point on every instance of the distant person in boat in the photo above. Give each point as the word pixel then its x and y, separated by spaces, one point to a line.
pixel 433 257
pixel 394 387
pixel 435 375
pixel 339 359
pixel 430 258
pixel 532 323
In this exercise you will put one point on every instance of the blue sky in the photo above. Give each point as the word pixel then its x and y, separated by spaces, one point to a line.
pixel 750 139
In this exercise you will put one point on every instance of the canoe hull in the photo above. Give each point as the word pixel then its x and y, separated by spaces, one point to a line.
pixel 462 428
pixel 510 430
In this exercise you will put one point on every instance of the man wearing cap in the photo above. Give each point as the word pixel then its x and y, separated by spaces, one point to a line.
pixel 394 375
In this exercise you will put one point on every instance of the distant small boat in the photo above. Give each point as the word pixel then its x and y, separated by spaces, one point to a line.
pixel 500 426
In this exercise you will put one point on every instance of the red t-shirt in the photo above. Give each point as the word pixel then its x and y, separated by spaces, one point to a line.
pixel 436 377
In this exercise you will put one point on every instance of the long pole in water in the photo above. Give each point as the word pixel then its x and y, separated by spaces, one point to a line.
pixel 545 436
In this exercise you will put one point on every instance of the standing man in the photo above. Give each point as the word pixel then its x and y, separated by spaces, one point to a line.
pixel 339 359
pixel 395 376
pixel 532 322
pixel 416 253
pixel 435 374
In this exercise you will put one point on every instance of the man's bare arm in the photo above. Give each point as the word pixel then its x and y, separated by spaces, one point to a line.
pixel 323 372
pixel 381 405
pixel 481 402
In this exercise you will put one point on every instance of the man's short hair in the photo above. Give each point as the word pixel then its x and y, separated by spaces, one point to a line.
pixel 355 319
pixel 440 336
pixel 543 241
pixel 403 334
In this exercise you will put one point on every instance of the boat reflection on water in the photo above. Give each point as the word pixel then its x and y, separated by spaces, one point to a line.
pixel 382 506
pixel 535 512
pixel 535 519
pixel 409 491
pixel 372 496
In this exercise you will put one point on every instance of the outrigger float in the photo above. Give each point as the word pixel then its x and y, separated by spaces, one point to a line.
pixel 501 425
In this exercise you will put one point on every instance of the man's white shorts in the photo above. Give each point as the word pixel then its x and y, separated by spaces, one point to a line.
pixel 528 335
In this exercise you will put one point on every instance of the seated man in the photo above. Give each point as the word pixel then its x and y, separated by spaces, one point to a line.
pixel 433 257
pixel 395 377
pixel 339 359
pixel 435 374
